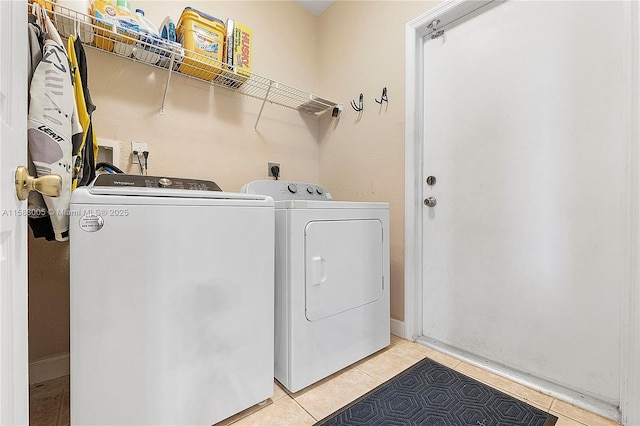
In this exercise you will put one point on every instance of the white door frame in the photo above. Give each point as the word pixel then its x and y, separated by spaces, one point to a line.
pixel 14 373
pixel 443 15
pixel 446 13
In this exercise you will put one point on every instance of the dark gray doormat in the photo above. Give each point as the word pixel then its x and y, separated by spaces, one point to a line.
pixel 431 394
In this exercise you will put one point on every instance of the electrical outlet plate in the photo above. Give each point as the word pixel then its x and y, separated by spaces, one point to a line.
pixel 269 165
pixel 137 146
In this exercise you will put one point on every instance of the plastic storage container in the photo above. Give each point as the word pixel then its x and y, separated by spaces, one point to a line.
pixel 202 36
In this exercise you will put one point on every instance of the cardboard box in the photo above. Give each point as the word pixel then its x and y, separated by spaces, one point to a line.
pixel 238 56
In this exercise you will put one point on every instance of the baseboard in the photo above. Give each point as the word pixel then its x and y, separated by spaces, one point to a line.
pixel 48 368
pixel 397 328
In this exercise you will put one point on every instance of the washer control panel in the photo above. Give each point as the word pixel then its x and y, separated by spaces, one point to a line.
pixel 281 190
pixel 139 181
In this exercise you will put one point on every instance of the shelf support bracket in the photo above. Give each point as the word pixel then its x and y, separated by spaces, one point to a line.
pixel 255 126
pixel 166 87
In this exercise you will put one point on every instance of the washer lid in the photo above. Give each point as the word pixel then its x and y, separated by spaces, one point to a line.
pixel 118 180
pixel 137 189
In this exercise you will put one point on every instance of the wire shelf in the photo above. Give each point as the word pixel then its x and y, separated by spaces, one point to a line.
pixel 171 56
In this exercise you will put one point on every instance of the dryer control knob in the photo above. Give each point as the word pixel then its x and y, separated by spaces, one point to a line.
pixel 164 182
pixel 309 190
pixel 319 191
pixel 292 188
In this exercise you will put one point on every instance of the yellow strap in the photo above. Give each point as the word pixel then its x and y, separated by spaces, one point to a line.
pixel 83 115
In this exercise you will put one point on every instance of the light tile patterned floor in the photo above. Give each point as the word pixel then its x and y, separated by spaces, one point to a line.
pixel 50 400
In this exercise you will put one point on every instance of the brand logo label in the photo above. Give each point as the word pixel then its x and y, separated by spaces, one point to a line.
pixel 51 133
pixel 246 40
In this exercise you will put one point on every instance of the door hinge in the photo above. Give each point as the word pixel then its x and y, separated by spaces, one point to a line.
pixel 436 32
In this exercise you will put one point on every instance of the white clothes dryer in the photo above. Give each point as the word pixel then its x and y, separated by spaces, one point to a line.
pixel 171 301
pixel 332 280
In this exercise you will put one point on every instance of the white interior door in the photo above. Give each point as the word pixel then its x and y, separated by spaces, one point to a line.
pixel 524 132
pixel 14 390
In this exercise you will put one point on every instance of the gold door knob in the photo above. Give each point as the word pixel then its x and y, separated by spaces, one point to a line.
pixel 50 185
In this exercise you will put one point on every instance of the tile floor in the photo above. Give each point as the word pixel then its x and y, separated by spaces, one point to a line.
pixel 50 400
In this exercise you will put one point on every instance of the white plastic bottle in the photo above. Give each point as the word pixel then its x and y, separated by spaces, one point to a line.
pixel 149 38
pixel 145 24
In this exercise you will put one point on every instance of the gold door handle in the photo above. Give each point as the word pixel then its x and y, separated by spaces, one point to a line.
pixel 50 185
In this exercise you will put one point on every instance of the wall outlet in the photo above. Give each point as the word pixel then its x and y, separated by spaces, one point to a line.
pixel 139 147
pixel 269 172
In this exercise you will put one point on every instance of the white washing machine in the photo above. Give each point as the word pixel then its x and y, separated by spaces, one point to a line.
pixel 332 281
pixel 172 296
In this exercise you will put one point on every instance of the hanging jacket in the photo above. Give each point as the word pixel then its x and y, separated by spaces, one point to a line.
pixel 53 122
pixel 86 151
pixel 50 128
pixel 91 107
pixel 39 220
pixel 84 76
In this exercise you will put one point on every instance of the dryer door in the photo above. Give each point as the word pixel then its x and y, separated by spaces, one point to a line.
pixel 343 266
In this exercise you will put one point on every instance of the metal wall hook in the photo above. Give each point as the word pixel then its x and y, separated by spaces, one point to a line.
pixel 360 105
pixel 383 98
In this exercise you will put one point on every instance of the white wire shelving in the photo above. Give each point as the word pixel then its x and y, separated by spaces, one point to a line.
pixel 173 58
